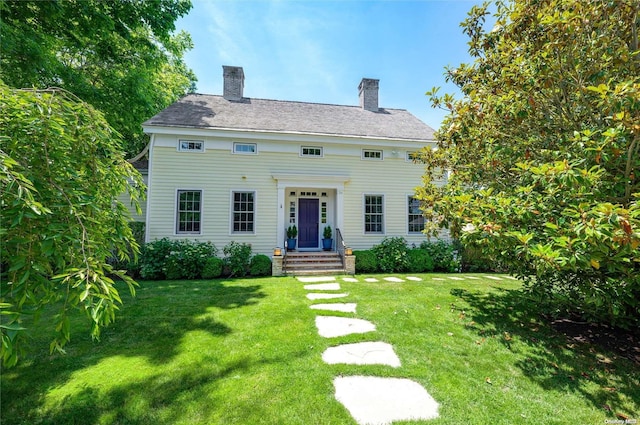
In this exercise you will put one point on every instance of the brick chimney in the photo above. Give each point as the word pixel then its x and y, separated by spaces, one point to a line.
pixel 369 94
pixel 233 82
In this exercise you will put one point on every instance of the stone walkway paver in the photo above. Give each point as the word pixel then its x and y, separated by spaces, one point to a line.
pixel 493 277
pixel 370 400
pixel 362 353
pixel 380 401
pixel 473 278
pixel 455 278
pixel 314 296
pixel 343 307
pixel 323 287
pixel 393 279
pixel 312 279
pixel 332 326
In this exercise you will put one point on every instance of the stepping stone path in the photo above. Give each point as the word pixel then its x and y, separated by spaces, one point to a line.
pixel 362 353
pixel 343 307
pixel 323 287
pixel 455 278
pixel 314 296
pixel 393 279
pixel 370 400
pixel 331 327
pixel 493 277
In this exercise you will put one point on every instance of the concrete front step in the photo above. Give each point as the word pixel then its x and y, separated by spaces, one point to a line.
pixel 313 272
pixel 312 263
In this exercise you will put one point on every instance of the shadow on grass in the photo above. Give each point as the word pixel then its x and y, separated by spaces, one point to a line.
pixel 551 359
pixel 150 325
pixel 192 396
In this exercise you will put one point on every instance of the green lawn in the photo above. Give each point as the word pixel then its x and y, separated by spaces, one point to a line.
pixel 246 351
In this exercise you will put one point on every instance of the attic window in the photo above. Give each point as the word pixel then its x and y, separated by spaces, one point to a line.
pixel 413 157
pixel 245 148
pixel 311 151
pixel 191 145
pixel 375 155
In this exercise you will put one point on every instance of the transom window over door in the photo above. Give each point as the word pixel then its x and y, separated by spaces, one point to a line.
pixel 415 219
pixel 243 212
pixel 373 213
pixel 189 211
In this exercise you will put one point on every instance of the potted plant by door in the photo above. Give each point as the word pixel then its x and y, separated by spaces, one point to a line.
pixel 292 233
pixel 327 240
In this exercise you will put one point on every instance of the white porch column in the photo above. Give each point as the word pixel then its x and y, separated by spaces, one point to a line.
pixel 339 207
pixel 281 216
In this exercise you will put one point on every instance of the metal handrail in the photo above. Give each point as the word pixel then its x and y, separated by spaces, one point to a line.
pixel 340 245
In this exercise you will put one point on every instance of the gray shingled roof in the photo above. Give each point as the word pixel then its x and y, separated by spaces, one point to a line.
pixel 216 112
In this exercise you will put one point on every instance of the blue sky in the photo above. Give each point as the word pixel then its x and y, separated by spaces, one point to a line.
pixel 319 51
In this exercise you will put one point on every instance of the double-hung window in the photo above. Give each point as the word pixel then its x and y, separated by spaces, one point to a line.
pixel 189 211
pixel 243 212
pixel 373 214
pixel 415 219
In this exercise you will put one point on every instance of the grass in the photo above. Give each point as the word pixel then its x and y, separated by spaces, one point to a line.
pixel 246 351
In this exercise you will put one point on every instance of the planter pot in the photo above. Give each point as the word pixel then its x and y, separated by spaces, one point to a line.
pixel 327 244
pixel 291 244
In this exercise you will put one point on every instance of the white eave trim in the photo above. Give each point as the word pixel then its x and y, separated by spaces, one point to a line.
pixel 292 136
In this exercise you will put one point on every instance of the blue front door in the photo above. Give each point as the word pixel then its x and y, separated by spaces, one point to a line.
pixel 308 214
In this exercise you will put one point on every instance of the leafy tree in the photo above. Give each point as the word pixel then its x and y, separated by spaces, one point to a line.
pixel 543 151
pixel 61 171
pixel 120 56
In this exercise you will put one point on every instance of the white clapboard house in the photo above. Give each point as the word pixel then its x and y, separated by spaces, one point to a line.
pixel 235 168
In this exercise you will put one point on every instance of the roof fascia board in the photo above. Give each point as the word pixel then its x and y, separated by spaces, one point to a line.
pixel 284 136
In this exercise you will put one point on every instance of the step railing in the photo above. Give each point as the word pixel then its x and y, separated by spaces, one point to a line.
pixel 340 245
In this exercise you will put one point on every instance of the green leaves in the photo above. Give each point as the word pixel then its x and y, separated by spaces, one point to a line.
pixel 62 172
pixel 544 149
pixel 117 56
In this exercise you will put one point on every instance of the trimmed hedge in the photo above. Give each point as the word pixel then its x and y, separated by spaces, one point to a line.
pixel 393 255
pixel 366 261
pixel 212 268
pixel 175 259
pixel 260 265
pixel 419 261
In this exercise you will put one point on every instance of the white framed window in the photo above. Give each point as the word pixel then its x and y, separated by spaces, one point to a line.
pixel 314 151
pixel 372 154
pixel 374 214
pixel 190 145
pixel 188 211
pixel 415 219
pixel 413 156
pixel 245 148
pixel 243 207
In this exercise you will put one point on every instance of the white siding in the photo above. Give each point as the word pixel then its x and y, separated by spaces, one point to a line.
pixel 218 171
pixel 126 200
